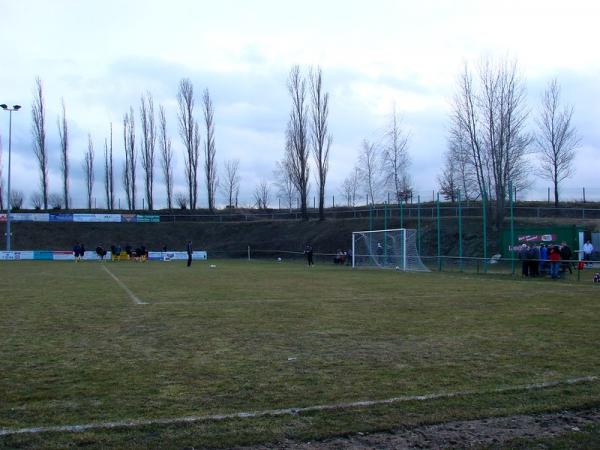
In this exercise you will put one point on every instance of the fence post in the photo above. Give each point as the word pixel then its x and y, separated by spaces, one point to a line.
pixel 548 195
pixel 439 235
pixel 419 223
pixel 484 212
pixel 512 228
pixel 401 214
pixel 583 195
pixel 460 249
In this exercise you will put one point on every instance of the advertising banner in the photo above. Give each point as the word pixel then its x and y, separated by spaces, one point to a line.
pixel 30 217
pixel 537 238
pixel 97 218
pixel 170 256
pixel 61 217
pixel 144 219
pixel 62 256
pixel 16 256
pixel 128 218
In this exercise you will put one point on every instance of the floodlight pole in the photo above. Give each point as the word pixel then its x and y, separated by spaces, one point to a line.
pixel 8 218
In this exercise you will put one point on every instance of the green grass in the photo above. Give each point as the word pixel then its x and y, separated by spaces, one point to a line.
pixel 256 336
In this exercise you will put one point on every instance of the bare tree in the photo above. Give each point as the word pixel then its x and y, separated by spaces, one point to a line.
pixel 190 135
pixel 181 200
pixel 297 137
pixel 350 187
pixel 130 164
pixel 231 185
pixel 448 179
pixel 63 133
pixel 396 160
pixel 491 116
pixel 210 150
pixel 148 145
pixel 368 167
pixel 37 200
pixel 166 156
pixel 17 199
pixel 459 162
pixel 557 138
pixel 262 194
pixel 55 200
pixel 88 170
pixel 284 181
pixel 320 138
pixel 108 171
pixel 38 113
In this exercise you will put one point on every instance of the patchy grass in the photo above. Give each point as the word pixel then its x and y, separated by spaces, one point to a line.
pixel 259 336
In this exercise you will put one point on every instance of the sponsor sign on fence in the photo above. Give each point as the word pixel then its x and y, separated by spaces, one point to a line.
pixel 61 217
pixel 152 219
pixel 170 256
pixel 90 255
pixel 30 217
pixel 97 218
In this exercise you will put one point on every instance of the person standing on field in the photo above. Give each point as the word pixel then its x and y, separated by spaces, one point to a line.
pixel 588 248
pixel 190 252
pixel 308 252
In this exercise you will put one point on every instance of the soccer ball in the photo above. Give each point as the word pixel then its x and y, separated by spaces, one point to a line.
pixel 279 259
pixel 597 277
pixel 397 267
pixel 212 266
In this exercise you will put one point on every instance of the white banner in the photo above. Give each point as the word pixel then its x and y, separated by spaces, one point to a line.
pixel 16 256
pixel 96 217
pixel 30 217
pixel 169 256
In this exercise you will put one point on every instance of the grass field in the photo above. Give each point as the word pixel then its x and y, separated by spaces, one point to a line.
pixel 77 348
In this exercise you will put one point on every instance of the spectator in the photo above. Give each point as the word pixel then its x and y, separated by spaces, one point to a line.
pixel 554 257
pixel 524 262
pixel 543 259
pixel 588 249
pixel 190 252
pixel 566 255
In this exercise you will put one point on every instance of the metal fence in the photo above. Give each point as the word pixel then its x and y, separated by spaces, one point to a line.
pixel 425 211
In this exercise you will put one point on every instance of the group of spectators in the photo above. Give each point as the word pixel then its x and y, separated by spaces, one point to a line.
pixel 343 257
pixel 552 260
pixel 138 253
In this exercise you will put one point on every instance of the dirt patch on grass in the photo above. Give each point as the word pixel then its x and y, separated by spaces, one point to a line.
pixel 460 434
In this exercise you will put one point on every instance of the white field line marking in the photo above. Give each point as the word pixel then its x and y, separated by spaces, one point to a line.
pixel 131 423
pixel 136 300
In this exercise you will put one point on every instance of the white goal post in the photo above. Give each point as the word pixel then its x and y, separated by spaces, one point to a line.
pixel 394 249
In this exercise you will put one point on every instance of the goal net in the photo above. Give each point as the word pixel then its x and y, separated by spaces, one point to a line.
pixel 394 249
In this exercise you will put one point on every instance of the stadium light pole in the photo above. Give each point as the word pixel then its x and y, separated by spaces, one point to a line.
pixel 10 111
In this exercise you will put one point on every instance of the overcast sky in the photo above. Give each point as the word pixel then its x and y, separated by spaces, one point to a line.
pixel 101 56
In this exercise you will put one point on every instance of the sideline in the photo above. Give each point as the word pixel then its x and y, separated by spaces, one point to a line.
pixel 287 411
pixel 135 299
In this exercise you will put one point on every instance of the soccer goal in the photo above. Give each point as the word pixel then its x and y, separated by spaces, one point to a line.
pixel 394 249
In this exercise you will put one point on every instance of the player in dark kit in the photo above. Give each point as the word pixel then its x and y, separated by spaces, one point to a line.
pixel 190 251
pixel 308 251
